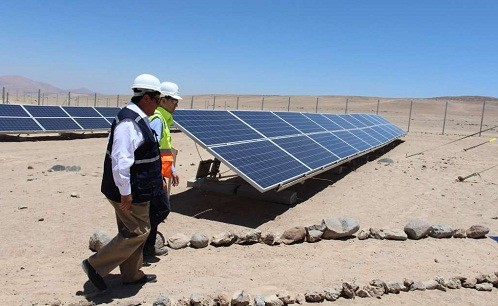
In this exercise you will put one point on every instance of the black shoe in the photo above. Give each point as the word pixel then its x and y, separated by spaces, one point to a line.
pixel 147 278
pixel 93 276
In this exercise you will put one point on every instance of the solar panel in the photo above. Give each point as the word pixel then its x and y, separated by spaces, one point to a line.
pixel 93 123
pixel 10 110
pixel 81 111
pixel 45 111
pixel 35 118
pixel 19 124
pixel 273 150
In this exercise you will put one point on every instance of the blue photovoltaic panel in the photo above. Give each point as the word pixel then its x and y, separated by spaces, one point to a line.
pixel 10 110
pixel 378 133
pixel 340 121
pixel 110 119
pixel 59 124
pixel 214 127
pixel 334 144
pixel 300 122
pixel 266 123
pixel 276 149
pixel 93 123
pixel 81 111
pixel 370 140
pixel 108 111
pixel 352 140
pixel 45 111
pixel 364 120
pixel 18 124
pixel 307 151
pixel 324 122
pixel 262 162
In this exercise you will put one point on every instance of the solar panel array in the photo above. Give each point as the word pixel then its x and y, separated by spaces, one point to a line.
pixel 34 118
pixel 271 150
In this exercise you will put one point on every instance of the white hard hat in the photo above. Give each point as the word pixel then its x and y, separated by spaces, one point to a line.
pixel 146 83
pixel 170 89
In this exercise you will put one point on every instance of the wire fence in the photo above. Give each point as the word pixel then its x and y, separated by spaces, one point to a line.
pixel 457 116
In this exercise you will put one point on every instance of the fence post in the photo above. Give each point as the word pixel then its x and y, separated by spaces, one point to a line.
pixel 214 101
pixel 346 110
pixel 410 116
pixel 262 102
pixel 117 102
pixel 316 107
pixel 7 95
pixel 3 95
pixel 192 102
pixel 288 105
pixel 225 104
pixel 39 91
pixel 43 98
pixel 107 101
pixel 69 99
pixel 377 111
pixel 482 117
pixel 95 99
pixel 237 102
pixel 445 112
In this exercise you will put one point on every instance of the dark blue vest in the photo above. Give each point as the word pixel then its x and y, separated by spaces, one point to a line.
pixel 145 174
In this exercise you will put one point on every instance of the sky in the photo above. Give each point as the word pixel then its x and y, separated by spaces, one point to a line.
pixel 378 48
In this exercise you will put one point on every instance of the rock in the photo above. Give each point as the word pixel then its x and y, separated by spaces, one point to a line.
pixel 98 240
pixel 408 282
pixel 199 240
pixel 417 229
pixel 469 282
pixel 313 236
pixel 379 284
pixel 294 235
pixel 430 284
pixel 339 227
pixel 317 227
pixel 270 238
pixel 492 279
pixel 452 283
pixel 332 294
pixel 484 287
pixel 223 239
pixel 441 231
pixel 370 291
pixel 273 300
pixel 395 235
pixel 362 235
pixel 314 297
pixel 57 168
pixel 178 241
pixel 162 301
pixel 394 287
pixel 160 242
pixel 477 231
pixel 385 161
pixel 417 286
pixel 377 233
pixel 222 299
pixel 259 300
pixel 249 236
pixel 460 233
pixel 74 195
pixel 240 298
pixel 349 289
pixel 287 297
pixel 73 168
pixel 30 167
pixel 198 300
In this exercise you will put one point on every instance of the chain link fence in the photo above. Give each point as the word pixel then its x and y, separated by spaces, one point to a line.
pixel 459 116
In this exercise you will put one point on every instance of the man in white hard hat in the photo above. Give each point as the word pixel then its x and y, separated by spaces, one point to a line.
pixel 161 122
pixel 132 177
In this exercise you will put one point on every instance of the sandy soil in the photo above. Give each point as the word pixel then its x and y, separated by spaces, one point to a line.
pixel 46 231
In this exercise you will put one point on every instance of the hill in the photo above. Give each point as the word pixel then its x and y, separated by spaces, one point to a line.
pixel 17 83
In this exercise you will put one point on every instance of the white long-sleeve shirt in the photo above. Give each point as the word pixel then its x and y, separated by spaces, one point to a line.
pixel 127 138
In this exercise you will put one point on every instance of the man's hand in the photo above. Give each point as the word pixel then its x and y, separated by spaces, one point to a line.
pixel 175 179
pixel 125 202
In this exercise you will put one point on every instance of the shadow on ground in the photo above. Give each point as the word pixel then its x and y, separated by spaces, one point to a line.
pixel 115 291
pixel 252 213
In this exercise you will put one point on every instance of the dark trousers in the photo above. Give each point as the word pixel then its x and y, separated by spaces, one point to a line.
pixel 159 210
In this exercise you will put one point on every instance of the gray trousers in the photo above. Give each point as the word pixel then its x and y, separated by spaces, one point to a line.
pixel 125 249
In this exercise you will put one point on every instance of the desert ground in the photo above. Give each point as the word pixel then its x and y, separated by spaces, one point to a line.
pixel 46 230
